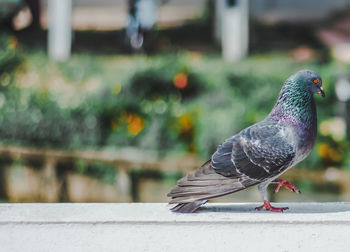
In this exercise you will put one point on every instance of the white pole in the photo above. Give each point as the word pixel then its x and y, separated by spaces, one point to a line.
pixel 235 31
pixel 60 29
pixel 245 26
pixel 219 9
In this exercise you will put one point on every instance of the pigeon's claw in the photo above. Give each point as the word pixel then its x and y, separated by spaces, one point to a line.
pixel 268 207
pixel 286 184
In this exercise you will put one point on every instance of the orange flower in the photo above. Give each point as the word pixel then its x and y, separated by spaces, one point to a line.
pixel 180 80
pixel 135 123
pixel 185 123
pixel 328 153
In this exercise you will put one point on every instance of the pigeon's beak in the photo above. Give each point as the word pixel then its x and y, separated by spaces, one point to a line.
pixel 322 92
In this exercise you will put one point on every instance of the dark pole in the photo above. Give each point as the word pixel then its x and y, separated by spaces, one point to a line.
pixel 34 6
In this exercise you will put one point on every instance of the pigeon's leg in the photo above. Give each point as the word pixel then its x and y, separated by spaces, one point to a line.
pixel 268 207
pixel 286 184
pixel 262 189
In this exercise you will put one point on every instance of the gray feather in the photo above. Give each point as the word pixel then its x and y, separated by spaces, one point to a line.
pixel 188 207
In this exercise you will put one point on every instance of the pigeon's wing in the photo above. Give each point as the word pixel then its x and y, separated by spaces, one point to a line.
pixel 259 152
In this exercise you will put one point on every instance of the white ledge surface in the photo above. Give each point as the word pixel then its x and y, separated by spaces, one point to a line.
pixel 152 227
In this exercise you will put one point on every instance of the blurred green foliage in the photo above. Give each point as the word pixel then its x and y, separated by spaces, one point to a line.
pixel 9 57
pixel 172 104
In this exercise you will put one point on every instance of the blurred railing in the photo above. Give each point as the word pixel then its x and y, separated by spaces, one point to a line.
pixel 123 161
pixel 126 161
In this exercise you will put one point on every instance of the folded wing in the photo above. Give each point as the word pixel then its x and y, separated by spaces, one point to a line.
pixel 259 152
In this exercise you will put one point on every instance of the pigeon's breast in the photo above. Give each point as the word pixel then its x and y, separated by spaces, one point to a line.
pixel 305 136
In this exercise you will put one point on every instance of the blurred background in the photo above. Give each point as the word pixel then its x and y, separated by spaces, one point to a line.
pixel 114 100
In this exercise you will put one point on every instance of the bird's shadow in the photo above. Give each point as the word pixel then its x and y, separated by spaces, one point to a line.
pixel 294 208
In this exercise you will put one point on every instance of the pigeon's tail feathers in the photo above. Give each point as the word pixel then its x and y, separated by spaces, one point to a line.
pixel 188 207
pixel 202 184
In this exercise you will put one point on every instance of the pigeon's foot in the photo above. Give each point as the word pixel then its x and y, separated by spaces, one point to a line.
pixel 268 207
pixel 286 184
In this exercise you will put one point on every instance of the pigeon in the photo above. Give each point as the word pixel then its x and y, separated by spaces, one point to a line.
pixel 259 154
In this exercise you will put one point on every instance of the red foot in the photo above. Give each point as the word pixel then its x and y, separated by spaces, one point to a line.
pixel 268 207
pixel 286 184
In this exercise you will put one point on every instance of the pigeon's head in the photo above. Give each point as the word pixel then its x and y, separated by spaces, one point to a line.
pixel 309 78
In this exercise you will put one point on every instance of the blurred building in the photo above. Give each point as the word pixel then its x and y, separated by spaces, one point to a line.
pixel 231 22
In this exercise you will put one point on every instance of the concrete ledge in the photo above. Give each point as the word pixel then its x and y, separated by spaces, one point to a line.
pixel 152 227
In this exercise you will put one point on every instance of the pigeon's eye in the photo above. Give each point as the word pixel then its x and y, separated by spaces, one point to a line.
pixel 315 81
